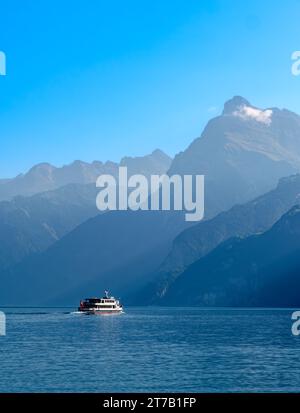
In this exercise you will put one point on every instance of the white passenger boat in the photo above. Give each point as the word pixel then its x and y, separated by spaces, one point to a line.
pixel 101 306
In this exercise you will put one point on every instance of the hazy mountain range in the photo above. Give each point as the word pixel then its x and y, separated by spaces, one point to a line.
pixel 241 221
pixel 45 177
pixel 31 224
pixel 157 256
pixel 261 270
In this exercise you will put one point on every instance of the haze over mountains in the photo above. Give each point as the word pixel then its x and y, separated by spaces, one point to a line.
pixel 33 223
pixel 45 177
pixel 241 221
pixel 261 270
pixel 115 251
pixel 243 153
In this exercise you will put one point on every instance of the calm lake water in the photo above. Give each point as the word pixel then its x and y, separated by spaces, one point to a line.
pixel 149 350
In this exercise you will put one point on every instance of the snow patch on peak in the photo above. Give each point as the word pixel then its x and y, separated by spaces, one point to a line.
pixel 248 112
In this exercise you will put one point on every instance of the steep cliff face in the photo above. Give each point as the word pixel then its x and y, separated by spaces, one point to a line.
pixel 253 217
pixel 242 153
pixel 261 270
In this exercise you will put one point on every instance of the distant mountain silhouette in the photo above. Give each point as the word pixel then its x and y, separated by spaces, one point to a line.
pixel 156 163
pixel 45 177
pixel 261 270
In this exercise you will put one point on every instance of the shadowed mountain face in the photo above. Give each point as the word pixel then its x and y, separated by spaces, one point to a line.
pixel 262 270
pixel 45 177
pixel 29 225
pixel 115 250
pixel 242 153
pixel 240 221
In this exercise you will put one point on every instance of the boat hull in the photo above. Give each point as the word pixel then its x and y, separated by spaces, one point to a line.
pixel 101 306
pixel 101 312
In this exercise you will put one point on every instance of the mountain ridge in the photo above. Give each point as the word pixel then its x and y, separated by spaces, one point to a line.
pixel 46 177
pixel 243 271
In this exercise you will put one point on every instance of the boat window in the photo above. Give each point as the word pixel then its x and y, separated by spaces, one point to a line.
pixel 106 306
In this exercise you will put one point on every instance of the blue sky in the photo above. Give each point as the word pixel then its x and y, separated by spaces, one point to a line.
pixel 103 79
